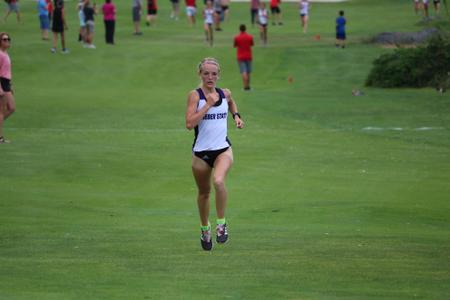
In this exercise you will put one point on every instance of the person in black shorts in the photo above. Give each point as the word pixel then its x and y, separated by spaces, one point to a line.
pixel 207 110
pixel 59 25
pixel 152 11
pixel 7 102
pixel 276 12
pixel 437 7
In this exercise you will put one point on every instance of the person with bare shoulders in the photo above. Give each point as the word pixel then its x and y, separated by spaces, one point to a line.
pixel 7 102
pixel 304 14
pixel 208 17
pixel 263 21
pixel 13 6
pixel 207 110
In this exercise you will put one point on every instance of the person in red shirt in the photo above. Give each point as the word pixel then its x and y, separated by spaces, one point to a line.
pixel 191 11
pixel 243 42
pixel 50 10
pixel 276 12
pixel 152 11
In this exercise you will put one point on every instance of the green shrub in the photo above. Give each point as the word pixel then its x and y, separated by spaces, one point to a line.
pixel 414 67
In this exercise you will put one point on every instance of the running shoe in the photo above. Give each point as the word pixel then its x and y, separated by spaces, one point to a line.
pixel 205 240
pixel 222 233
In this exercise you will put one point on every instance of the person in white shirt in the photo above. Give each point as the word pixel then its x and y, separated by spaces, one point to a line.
pixel 208 16
pixel 263 20
pixel 304 14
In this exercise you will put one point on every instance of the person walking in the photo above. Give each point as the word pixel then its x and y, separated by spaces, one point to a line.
pixel 152 12
pixel 191 11
pixel 175 13
pixel 304 14
pixel 417 6
pixel 254 6
pixel 207 111
pixel 218 14
pixel 109 18
pixel 82 21
pixel 208 16
pixel 7 102
pixel 59 26
pixel 276 12
pixel 437 7
pixel 263 21
pixel 425 10
pixel 225 9
pixel 13 6
pixel 340 30
pixel 243 42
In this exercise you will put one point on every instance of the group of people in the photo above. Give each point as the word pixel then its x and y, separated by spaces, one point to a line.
pixel 86 15
pixel 52 17
pixel 53 13
pixel 423 5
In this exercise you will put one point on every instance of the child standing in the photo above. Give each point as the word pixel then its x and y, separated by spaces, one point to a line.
pixel 7 102
pixel 340 30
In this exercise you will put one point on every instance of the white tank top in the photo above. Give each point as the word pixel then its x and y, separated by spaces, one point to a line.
pixel 304 7
pixel 262 14
pixel 211 132
pixel 209 16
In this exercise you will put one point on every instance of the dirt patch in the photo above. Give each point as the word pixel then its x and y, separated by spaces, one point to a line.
pixel 396 39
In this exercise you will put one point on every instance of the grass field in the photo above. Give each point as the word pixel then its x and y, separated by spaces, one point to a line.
pixel 331 196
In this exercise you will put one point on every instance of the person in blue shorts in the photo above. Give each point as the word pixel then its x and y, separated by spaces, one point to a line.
pixel 340 30
pixel 43 18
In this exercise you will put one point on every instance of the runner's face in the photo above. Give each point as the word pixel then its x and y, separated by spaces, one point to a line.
pixel 209 75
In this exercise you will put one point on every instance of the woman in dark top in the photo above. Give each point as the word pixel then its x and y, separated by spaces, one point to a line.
pixel 59 25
